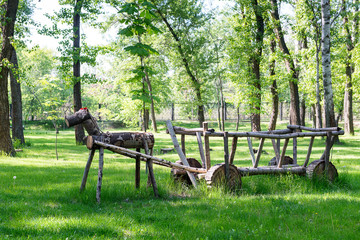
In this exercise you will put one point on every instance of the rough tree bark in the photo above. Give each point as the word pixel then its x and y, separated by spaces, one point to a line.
pixel 326 64
pixel 274 91
pixel 195 82
pixel 17 122
pixel 351 41
pixel 79 130
pixel 290 66
pixel 7 27
pixel 255 60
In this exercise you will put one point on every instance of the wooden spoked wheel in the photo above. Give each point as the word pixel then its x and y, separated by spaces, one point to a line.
pixel 180 175
pixel 316 170
pixel 216 177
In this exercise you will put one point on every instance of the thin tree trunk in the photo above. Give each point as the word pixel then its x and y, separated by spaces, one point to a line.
pixel 237 118
pixel 274 91
pixel 195 82
pixel 79 130
pixel 17 122
pixel 290 66
pixel 326 64
pixel 318 100
pixel 303 111
pixel 9 10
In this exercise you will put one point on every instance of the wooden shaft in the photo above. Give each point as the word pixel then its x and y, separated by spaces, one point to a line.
pixel 226 155
pixel 180 153
pixel 295 150
pixel 86 171
pixel 207 146
pixel 331 145
pixel 309 152
pixel 201 149
pixel 282 156
pixel 233 150
pixel 151 175
pixel 78 117
pixel 100 174
pixel 137 170
pixel 183 143
pixel 331 129
pixel 212 132
pixel 123 139
pixel 261 144
pixel 276 149
pixel 143 157
pixel 251 150
pixel 271 170
pixel 271 135
pixel 327 152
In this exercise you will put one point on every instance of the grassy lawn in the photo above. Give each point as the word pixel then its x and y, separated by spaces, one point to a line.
pixel 40 199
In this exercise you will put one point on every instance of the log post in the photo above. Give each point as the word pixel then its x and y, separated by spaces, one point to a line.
pixel 179 151
pixel 87 168
pixel 276 150
pixel 151 175
pixel 137 170
pixel 100 174
pixel 233 150
pixel 183 143
pixel 262 140
pixel 201 149
pixel 226 155
pixel 327 152
pixel 251 150
pixel 207 145
pixel 282 156
pixel 309 152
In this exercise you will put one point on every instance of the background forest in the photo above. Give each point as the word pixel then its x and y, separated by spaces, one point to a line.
pixel 194 60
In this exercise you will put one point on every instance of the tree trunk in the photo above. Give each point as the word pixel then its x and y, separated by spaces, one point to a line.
pixel 274 91
pixel 290 66
pixel 17 122
pixel 326 64
pixel 195 82
pixel 237 118
pixel 79 131
pixel 10 9
pixel 303 111
pixel 318 100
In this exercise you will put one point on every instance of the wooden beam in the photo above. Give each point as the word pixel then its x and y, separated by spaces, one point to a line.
pixel 86 171
pixel 207 146
pixel 226 155
pixel 233 150
pixel 151 170
pixel 201 149
pixel 282 156
pixel 251 150
pixel 179 151
pixel 276 149
pixel 100 174
pixel 295 150
pixel 183 144
pixel 137 170
pixel 309 152
pixel 261 144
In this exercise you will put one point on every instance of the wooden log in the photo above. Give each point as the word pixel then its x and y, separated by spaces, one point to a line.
pixel 261 145
pixel 123 139
pixel 207 146
pixel 137 170
pixel 276 149
pixel 327 152
pixel 91 126
pixel 282 156
pixel 331 145
pixel 233 150
pixel 309 152
pixel 272 170
pixel 87 168
pixel 272 135
pixel 180 153
pixel 143 157
pixel 251 150
pixel 295 150
pixel 201 149
pixel 151 175
pixel 331 129
pixel 100 174
pixel 226 155
pixel 78 117
pixel 183 144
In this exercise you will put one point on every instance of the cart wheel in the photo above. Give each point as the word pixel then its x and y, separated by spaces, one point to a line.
pixel 316 170
pixel 216 176
pixel 287 160
pixel 180 175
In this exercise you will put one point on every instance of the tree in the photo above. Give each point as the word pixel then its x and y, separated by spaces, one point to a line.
pixel 326 64
pixel 8 17
pixel 290 66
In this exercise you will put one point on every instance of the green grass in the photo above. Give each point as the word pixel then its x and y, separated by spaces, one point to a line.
pixel 40 199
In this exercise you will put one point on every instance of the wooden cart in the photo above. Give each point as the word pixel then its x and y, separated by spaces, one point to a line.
pixel 190 169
